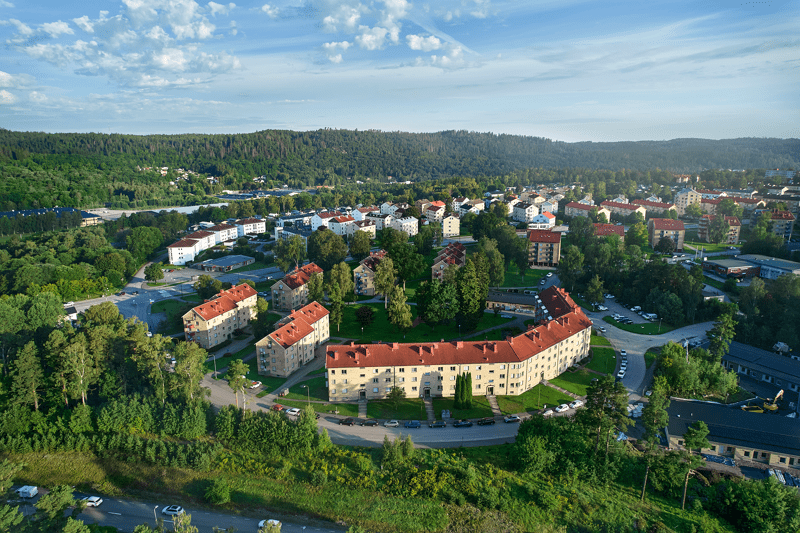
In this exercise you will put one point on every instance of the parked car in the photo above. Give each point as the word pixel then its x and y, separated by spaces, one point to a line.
pixel 549 274
pixel 541 282
pixel 92 501
pixel 601 329
pixel 349 421
pixel 173 510
pixel 623 353
pixel 621 374
pixel 438 424
pixel 391 424
pixel 294 411
pixel 488 421
pixel 369 422
pixel 506 316
pixel 269 522
pixel 462 424
pixel 549 412
pixel 413 424
pixel 576 404
pixel 510 419
pixel 608 296
pixel 561 408
pixel 255 384
pixel 278 407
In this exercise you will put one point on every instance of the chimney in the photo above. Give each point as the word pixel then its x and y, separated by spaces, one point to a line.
pixel 483 347
pixel 459 344
pixel 510 340
pixel 494 346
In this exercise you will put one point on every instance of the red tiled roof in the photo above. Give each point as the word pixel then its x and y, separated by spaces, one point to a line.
pixel 248 221
pixel 713 201
pixel 435 208
pixel 548 214
pixel 225 301
pixel 541 235
pixel 619 205
pixel 438 203
pixel 221 227
pixel 742 200
pixel 368 209
pixel 328 214
pixel 343 219
pixel 364 223
pixel 373 260
pixel 648 203
pixel 199 235
pixel 732 221
pixel 183 243
pixel 584 207
pixel 602 230
pixel 292 332
pixel 667 224
pixel 782 215
pixel 299 277
pixel 706 191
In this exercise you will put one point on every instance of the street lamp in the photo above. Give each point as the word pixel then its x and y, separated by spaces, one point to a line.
pixel 308 394
pixel 155 519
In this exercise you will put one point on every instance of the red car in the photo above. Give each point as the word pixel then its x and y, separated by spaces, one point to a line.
pixel 278 407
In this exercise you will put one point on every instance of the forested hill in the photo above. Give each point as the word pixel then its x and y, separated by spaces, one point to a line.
pixel 316 155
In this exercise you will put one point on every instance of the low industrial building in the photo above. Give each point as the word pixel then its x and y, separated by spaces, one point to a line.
pixel 226 264
pixel 780 370
pixel 731 268
pixel 515 301
pixel 771 267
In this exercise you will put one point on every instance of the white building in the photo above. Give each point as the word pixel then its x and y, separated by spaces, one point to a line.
pixel 524 212
pixel 342 225
pixel 435 213
pixel 409 225
pixel 224 232
pixel 362 212
pixel 544 220
pixel 250 226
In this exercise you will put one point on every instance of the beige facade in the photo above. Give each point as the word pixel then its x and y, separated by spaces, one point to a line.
pixel 666 228
pixel 451 226
pixel 294 343
pixel 575 209
pixel 364 273
pixel 215 321
pixel 684 198
pixel 623 210
pixel 292 291
pixel 544 248
pixel 367 226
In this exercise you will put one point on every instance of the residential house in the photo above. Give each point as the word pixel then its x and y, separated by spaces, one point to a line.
pixel 655 207
pixel 423 204
pixel 250 226
pixel 215 321
pixel 434 213
pixel 524 212
pixel 190 246
pixel 666 228
pixel 381 221
pixel 322 219
pixel 451 225
pixel 364 273
pixel 453 254
pixel 544 248
pixel 292 292
pixel 623 210
pixel 550 205
pixel 294 341
pixel 342 225
pixel 733 234
pixel 429 369
pixel 544 220
pixel 388 208
pixel 709 205
pixel 409 225
pixel 367 226
pixel 362 212
pixel 575 209
pixel 224 233
pixel 604 230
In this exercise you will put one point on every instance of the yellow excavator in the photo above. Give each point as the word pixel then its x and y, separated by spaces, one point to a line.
pixel 774 405
pixel 752 408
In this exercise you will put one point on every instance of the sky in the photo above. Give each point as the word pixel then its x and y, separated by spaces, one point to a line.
pixel 569 70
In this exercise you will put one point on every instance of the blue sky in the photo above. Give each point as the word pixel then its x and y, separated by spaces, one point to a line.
pixel 569 70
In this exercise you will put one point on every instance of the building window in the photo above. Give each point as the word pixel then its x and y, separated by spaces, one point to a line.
pixel 452 378
pixel 782 459
pixel 747 454
pixel 413 389
pixel 452 369
pixel 375 380
pixel 375 371
pixel 344 371
pixel 440 369
pixel 388 380
pixel 401 369
pixel 388 389
pixel 414 378
pixel 375 389
pixel 344 391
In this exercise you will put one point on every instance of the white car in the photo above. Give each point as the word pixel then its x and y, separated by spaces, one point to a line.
pixel 391 424
pixel 621 374
pixel 608 296
pixel 173 510
pixel 576 404
pixel 294 411
pixel 255 384
pixel 92 501
pixel 561 408
pixel 269 522
pixel 549 412
pixel 602 308
pixel 549 274
pixel 623 353
pixel 601 329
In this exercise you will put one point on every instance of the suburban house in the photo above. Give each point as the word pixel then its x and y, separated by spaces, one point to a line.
pixel 623 210
pixel 451 225
pixel 250 226
pixel 548 205
pixel 604 230
pixel 654 207
pixel 524 212
pixel 291 292
pixel 367 226
pixel 388 208
pixel 364 273
pixel 733 233
pixel 294 341
pixel 779 370
pixel 782 221
pixel 577 209
pixel 544 220
pixel 742 436
pixel 215 320
pixel 544 248
pixel 509 367
pixel 186 249
pixel 342 225
pixel 452 254
pixel 665 228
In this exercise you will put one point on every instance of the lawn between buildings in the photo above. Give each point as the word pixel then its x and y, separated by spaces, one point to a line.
pixel 480 408
pixel 603 360
pixel 575 381
pixel 533 400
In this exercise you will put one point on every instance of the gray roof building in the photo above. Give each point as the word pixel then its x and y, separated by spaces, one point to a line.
pixel 779 370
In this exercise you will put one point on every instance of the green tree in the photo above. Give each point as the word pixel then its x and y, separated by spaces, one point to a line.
pixel 237 379
pixel 594 290
pixel 408 263
pixel 27 376
pixel 316 288
pixel 495 261
pixel 10 517
pixel 470 297
pixel 365 315
pixel 437 302
pixel 342 274
pixel 570 267
pixel 326 248
pixel 262 324
pixel 695 436
pixel 337 305
pixel 51 507
pixel 143 241
pixel 154 272
pixel 693 211
pixel 729 208
pixel 718 230
pixel 207 287
pixel 289 252
pixel 188 371
pixel 395 395
pixel 468 390
pixel 606 409
pixel 385 276
pixel 425 239
pixel 636 235
pixel 218 492
pixel 360 245
pixel 459 393
pixel 665 245
pixel 655 417
pixel 82 367
pixel 723 333
pixel 399 310
pixel 533 453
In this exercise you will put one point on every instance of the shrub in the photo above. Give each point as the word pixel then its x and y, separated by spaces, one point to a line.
pixel 219 492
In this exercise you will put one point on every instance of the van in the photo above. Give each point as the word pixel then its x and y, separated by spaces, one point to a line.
pixel 27 491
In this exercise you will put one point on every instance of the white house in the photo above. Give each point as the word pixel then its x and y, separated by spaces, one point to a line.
pixel 387 208
pixel 224 232
pixel 550 206
pixel 409 225
pixel 524 212
pixel 250 226
pixel 322 219
pixel 544 220
pixel 342 225
pixel 362 212
pixel 381 221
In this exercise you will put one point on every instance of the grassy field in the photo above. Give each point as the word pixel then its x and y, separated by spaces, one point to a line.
pixel 316 389
pixel 382 330
pixel 533 400
pixel 597 340
pixel 480 408
pixel 174 309
pixel 222 362
pixel 344 409
pixel 167 306
pixel 713 282
pixel 580 301
pixel 496 334
pixel 530 279
pixel 575 382
pixel 650 358
pixel 648 328
pixel 710 248
pixel 407 409
pixel 193 298
pixel 603 360
pixel 318 371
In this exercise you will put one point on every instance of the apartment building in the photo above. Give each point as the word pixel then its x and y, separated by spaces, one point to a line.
pixel 409 225
pixel 604 230
pixel 577 209
pixel 224 233
pixel 544 220
pixel 343 225
pixel 655 207
pixel 364 273
pixel 666 228
pixel 544 248
pixel 423 370
pixel 381 221
pixel 684 198
pixel 362 212
pixel 367 226
pixel 733 233
pixel 524 212
pixel 623 210
pixel 215 320
pixel 453 254
pixel 451 225
pixel 323 219
pixel 250 226
pixel 434 213
pixel 782 221
pixel 294 341
pixel 186 249
pixel 292 292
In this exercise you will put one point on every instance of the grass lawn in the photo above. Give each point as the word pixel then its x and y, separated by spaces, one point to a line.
pixel 575 382
pixel 316 389
pixel 710 248
pixel 345 409
pixel 738 396
pixel 597 340
pixel 174 309
pixel 318 371
pixel 480 408
pixel 713 282
pixel 648 328
pixel 650 358
pixel 192 298
pixel 167 306
pixel 407 409
pixel 496 334
pixel 382 330
pixel 222 362
pixel 603 360
pixel 580 301
pixel 533 400
pixel 530 279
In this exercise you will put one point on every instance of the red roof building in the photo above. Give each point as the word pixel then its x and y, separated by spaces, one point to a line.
pixel 294 341
pixel 666 228
pixel 291 291
pixel 604 230
pixel 215 320
pixel 544 248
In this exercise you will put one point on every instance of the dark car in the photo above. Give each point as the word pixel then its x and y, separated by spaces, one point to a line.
pixel 370 422
pixel 486 421
pixel 462 424
pixel 347 422
pixel 439 424
pixel 413 424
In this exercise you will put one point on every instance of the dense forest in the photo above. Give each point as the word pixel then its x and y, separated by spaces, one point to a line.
pixel 80 170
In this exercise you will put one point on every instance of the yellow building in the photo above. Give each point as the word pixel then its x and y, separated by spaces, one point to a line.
pixel 294 342
pixel 214 321
pixel 291 292
pixel 364 273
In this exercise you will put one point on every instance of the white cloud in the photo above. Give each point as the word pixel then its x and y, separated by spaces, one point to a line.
pixel 454 58
pixel 345 17
pixel 393 12
pixel 426 44
pixel 7 98
pixel 84 23
pixel 157 33
pixel 4 3
pixel 220 8
pixel 6 79
pixel 56 29
pixel 270 10
pixel 22 29
pixel 371 38
pixel 481 9
pixel 332 50
pixel 37 97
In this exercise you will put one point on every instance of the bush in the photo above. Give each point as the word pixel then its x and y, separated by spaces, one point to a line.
pixel 219 492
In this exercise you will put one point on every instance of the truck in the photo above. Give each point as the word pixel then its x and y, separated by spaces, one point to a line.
pixel 27 491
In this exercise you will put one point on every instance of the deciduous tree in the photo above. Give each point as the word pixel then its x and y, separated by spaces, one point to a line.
pixel 360 245
pixel 289 252
pixel 326 248
pixel 399 310
pixel 154 272
pixel 385 276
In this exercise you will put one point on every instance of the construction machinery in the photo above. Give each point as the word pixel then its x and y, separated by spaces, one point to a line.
pixel 752 408
pixel 774 405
